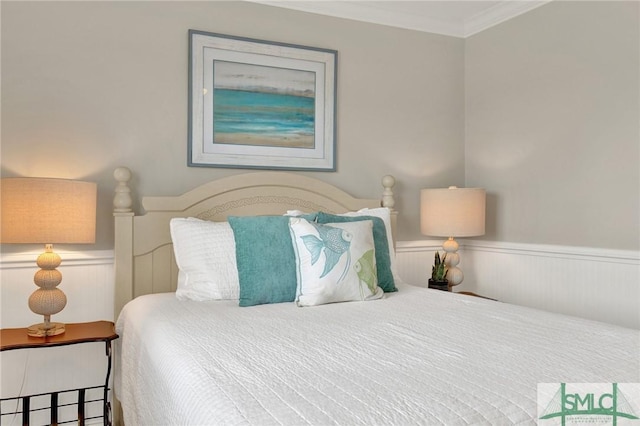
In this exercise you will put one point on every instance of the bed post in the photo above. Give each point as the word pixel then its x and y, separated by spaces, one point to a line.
pixel 388 182
pixel 123 262
pixel 123 245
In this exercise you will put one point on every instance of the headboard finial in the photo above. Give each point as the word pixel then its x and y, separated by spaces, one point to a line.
pixel 122 201
pixel 388 182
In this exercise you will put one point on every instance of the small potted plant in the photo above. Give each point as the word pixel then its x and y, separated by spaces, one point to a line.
pixel 438 278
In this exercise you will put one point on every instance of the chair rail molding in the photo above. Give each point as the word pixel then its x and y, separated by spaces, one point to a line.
pixel 561 252
pixel 69 258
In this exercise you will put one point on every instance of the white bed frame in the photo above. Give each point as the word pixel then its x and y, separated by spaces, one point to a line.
pixel 144 261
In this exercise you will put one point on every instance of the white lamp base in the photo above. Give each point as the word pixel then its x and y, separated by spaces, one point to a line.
pixel 47 299
pixel 45 329
pixel 454 274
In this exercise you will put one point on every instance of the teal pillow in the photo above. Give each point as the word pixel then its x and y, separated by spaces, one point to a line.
pixel 265 258
pixel 381 244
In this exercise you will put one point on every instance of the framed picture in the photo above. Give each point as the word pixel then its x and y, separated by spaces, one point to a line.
pixel 259 104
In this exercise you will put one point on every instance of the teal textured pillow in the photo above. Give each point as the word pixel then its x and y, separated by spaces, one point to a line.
pixel 265 258
pixel 381 243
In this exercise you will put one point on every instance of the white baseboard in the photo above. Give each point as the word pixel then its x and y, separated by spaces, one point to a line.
pixel 593 283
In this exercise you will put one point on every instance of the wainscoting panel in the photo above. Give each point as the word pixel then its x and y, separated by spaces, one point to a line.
pixel 87 281
pixel 598 284
pixel 414 260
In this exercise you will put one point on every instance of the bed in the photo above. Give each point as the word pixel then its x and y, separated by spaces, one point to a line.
pixel 387 355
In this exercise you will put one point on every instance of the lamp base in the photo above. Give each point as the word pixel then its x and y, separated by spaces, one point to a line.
pixel 454 274
pixel 44 329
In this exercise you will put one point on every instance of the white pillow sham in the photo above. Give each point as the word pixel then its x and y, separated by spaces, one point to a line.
pixel 334 262
pixel 206 256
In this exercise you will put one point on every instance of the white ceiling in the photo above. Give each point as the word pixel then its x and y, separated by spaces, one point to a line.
pixel 455 18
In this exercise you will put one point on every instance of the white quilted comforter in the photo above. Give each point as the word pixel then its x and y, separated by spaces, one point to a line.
pixel 416 357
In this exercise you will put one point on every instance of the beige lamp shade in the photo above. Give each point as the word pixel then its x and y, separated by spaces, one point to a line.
pixel 43 210
pixel 47 211
pixel 452 212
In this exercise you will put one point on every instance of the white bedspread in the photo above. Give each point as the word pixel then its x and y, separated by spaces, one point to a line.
pixel 416 357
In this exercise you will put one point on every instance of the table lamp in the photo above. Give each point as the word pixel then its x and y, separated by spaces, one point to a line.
pixel 452 212
pixel 47 211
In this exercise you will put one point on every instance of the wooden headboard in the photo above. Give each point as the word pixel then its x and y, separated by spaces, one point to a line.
pixel 144 261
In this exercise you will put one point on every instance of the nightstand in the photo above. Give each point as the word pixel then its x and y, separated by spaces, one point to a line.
pixel 470 293
pixel 98 331
pixel 466 293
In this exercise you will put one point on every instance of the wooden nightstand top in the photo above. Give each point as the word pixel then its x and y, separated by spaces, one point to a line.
pixel 84 332
pixel 470 293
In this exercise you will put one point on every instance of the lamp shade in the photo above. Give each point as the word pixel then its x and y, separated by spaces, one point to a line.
pixel 452 212
pixel 48 211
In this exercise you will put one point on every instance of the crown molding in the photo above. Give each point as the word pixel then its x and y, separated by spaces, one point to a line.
pixel 366 11
pixel 370 11
pixel 499 13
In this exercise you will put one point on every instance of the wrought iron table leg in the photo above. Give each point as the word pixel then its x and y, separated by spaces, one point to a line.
pixel 81 402
pixel 26 410
pixel 54 409
pixel 106 406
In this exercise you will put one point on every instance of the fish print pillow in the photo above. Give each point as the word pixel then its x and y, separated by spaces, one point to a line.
pixel 335 262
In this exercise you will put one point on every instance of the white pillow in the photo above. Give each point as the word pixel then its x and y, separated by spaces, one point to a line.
pixel 206 256
pixel 334 262
pixel 385 214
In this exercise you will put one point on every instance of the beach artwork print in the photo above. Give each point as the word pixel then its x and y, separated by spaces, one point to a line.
pixel 260 104
pixel 263 105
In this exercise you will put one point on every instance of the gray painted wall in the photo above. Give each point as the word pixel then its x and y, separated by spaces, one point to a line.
pixel 550 97
pixel 89 86
pixel 552 125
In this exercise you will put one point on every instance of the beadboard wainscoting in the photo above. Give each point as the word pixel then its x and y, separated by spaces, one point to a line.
pixel 87 280
pixel 598 284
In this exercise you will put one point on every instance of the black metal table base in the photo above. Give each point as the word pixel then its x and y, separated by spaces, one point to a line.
pixel 81 403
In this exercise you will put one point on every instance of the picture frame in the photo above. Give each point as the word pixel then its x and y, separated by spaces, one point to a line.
pixel 260 104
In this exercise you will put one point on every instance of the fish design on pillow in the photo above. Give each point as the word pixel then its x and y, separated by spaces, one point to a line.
pixel 366 270
pixel 334 242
